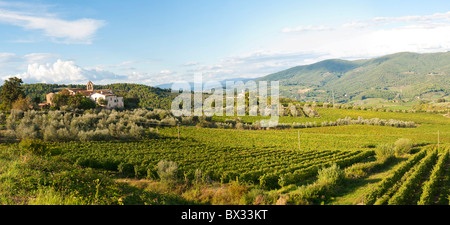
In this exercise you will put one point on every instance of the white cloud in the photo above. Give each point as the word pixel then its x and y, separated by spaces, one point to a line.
pixel 64 72
pixel 68 72
pixel 80 31
pixel 413 19
pixel 252 65
pixel 355 25
pixel 6 57
pixel 121 66
pixel 191 64
pixel 306 28
pixel 58 72
pixel 11 63
pixel 432 20
pixel 373 37
pixel 352 40
pixel 165 72
pixel 39 57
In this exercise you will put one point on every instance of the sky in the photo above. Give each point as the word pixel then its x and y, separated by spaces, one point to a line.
pixel 156 42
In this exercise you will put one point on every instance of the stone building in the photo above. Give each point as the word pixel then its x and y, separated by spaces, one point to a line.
pixel 110 100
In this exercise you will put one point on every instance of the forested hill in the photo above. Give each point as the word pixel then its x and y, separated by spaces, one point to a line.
pixel 135 95
pixel 403 76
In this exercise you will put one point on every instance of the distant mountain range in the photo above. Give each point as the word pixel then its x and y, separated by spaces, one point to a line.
pixel 397 77
pixel 205 85
pixel 402 76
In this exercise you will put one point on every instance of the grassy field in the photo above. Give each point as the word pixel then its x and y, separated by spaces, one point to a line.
pixel 224 166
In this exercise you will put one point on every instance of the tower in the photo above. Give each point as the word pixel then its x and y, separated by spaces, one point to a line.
pixel 90 86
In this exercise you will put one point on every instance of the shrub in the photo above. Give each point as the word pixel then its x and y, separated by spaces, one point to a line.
pixel 198 176
pixel 384 150
pixel 86 136
pixel 27 130
pixel 269 181
pixel 293 110
pixel 187 120
pixel 34 146
pixel 167 171
pixel 136 131
pixel 204 124
pixel 306 194
pixel 402 146
pixel 253 197
pixel 63 135
pixel 2 118
pixel 239 126
pixel 310 112
pixel 50 133
pixel 11 123
pixel 22 104
pixel 331 175
pixel 48 196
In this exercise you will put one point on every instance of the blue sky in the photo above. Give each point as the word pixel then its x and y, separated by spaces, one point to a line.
pixel 154 42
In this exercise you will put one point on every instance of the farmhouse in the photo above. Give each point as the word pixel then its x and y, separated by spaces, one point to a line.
pixel 112 100
pixel 103 97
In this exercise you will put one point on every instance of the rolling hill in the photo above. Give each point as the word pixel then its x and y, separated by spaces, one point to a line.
pixel 136 95
pixel 402 77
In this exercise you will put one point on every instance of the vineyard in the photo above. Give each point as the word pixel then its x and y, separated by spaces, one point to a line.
pixel 265 165
pixel 417 181
pixel 120 159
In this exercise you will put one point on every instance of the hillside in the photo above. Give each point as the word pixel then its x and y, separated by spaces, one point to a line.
pixel 135 95
pixel 403 77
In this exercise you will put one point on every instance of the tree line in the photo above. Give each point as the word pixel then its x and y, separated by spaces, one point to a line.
pixel 28 96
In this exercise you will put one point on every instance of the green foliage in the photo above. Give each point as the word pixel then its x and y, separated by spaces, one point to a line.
pixel 327 179
pixel 11 92
pixel 294 122
pixel 253 197
pixel 430 188
pixel 77 101
pixel 402 146
pixel 135 95
pixel 413 182
pixel 2 118
pixel 48 196
pixel 22 104
pixel 90 126
pixel 398 76
pixel 405 194
pixel 85 103
pixel 224 163
pixel 331 175
pixel 34 146
pixel 391 180
pixel 40 90
pixel 139 95
pixel 102 101
pixel 263 159
pixel 360 170
pixel 167 171
pixel 269 181
pixel 384 150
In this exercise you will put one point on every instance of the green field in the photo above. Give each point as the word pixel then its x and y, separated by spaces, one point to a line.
pixel 233 166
